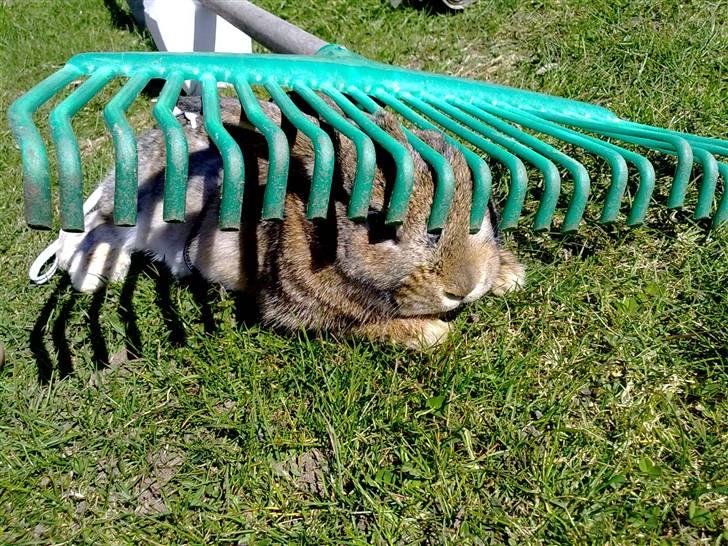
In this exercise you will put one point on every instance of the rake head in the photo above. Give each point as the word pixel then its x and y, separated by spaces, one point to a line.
pixel 502 123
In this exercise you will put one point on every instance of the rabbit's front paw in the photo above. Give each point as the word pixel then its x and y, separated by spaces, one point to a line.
pixel 512 275
pixel 415 333
pixel 432 332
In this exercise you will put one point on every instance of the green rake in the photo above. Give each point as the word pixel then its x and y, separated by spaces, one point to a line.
pixel 502 123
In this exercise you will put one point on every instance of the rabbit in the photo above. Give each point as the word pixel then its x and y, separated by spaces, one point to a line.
pixel 354 278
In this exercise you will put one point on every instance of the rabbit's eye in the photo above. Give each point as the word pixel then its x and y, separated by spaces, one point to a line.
pixel 378 230
pixel 434 238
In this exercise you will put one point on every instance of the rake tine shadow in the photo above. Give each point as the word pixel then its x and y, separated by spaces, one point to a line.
pixel 127 314
pixel 43 359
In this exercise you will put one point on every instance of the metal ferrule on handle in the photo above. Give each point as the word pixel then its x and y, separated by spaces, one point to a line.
pixel 265 28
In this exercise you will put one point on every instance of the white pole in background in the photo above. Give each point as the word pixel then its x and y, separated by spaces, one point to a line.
pixel 185 26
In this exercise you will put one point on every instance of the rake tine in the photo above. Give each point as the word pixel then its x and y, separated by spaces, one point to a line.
pixel 36 173
pixel 125 150
pixel 676 198
pixel 175 175
pixel 366 161
pixel 482 181
pixel 646 186
pixel 70 173
pixel 617 163
pixel 710 182
pixel 707 188
pixel 713 145
pixel 278 151
pixel 365 101
pixel 719 147
pixel 323 167
pixel 519 176
pixel 578 172
pixel 721 215
pixel 231 204
pixel 404 179
pixel 552 178
pixel 703 147
pixel 445 185
pixel 626 132
pixel 680 179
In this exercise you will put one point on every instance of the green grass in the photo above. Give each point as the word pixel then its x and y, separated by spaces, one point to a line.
pixel 590 408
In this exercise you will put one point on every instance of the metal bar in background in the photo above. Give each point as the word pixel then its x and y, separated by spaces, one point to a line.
pixel 265 28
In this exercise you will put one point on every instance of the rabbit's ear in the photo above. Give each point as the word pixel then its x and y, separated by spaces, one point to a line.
pixel 494 219
pixel 387 121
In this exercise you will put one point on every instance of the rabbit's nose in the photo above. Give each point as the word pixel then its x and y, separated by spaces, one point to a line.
pixel 454 297
pixel 449 301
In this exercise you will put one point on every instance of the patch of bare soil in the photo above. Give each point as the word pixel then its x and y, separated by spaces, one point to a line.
pixel 149 490
pixel 307 470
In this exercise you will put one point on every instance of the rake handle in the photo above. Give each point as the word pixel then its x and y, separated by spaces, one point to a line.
pixel 265 28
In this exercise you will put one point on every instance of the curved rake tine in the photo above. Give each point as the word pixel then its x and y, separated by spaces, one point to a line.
pixel 445 183
pixel 36 173
pixel 125 150
pixel 278 151
pixel 365 101
pixel 519 177
pixel 482 181
pixel 676 198
pixel 713 145
pixel 616 162
pixel 709 183
pixel 175 175
pixel 70 173
pixel 627 132
pixel 580 195
pixel 721 215
pixel 323 166
pixel 552 178
pixel 646 186
pixel 231 201
pixel 444 186
pixel 366 161
pixel 404 178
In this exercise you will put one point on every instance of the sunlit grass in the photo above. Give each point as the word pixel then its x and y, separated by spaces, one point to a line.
pixel 589 408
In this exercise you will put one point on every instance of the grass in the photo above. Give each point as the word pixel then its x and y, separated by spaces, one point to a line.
pixel 589 408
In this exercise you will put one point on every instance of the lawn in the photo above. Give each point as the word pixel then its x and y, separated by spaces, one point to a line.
pixel 589 408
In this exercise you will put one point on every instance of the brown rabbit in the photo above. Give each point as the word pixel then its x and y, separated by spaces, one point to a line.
pixel 338 275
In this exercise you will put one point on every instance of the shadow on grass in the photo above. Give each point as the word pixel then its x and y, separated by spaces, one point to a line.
pixel 432 7
pixel 592 237
pixel 59 309
pixel 120 18
pixel 65 304
pixel 42 357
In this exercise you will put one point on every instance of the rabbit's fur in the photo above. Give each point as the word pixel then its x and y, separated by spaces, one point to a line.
pixel 338 275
